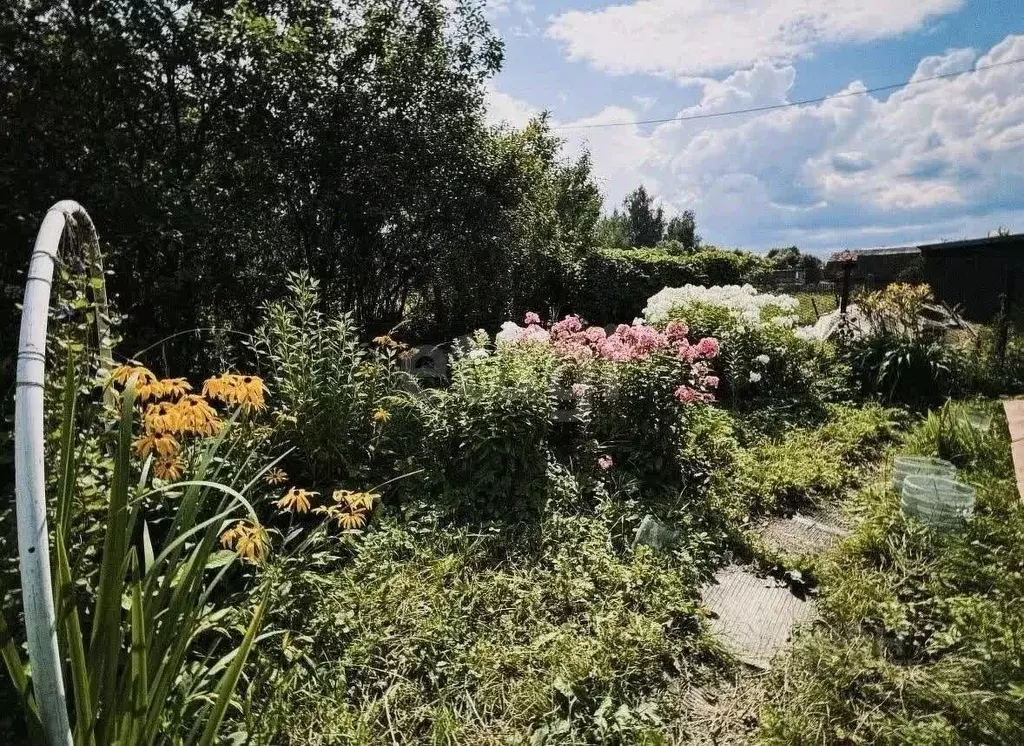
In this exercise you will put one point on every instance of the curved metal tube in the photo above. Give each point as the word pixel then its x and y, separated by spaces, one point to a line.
pixel 29 457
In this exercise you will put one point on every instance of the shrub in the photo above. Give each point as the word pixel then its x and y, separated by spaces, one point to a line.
pixel 762 359
pixel 625 388
pixel 483 444
pixel 636 274
pixel 897 355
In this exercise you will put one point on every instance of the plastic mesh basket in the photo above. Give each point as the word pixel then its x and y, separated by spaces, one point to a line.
pixel 904 466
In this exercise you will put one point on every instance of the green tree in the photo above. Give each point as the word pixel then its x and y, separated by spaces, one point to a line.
pixel 219 144
pixel 611 231
pixel 645 223
pixel 683 229
pixel 541 222
pixel 790 258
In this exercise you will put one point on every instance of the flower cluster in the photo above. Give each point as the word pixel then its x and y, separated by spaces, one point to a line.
pixel 243 391
pixel 248 539
pixel 170 413
pixel 350 509
pixel 743 300
pixel 570 340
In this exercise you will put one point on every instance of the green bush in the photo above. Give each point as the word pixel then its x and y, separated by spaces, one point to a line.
pixel 766 362
pixel 483 441
pixel 338 402
pixel 897 369
pixel 614 284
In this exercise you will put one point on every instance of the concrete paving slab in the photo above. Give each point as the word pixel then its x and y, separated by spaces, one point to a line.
pixel 753 616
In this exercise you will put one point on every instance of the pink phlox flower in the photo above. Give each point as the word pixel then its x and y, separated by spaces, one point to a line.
pixel 568 325
pixel 531 318
pixel 707 348
pixel 534 334
pixel 614 349
pixel 676 331
pixel 595 334
pixel 606 462
pixel 711 382
pixel 574 347
pixel 686 395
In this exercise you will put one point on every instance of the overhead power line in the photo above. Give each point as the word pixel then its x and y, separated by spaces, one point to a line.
pixel 805 102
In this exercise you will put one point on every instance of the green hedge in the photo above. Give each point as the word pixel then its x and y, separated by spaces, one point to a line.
pixel 614 284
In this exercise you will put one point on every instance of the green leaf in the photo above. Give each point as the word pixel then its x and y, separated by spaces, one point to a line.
pixel 226 689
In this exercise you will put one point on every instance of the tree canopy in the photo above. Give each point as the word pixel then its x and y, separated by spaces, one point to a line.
pixel 218 144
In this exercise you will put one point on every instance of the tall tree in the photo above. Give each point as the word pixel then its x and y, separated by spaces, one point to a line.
pixel 611 231
pixel 218 143
pixel 645 223
pixel 683 228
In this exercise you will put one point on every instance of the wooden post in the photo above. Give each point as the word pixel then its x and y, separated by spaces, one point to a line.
pixel 846 258
pixel 1005 309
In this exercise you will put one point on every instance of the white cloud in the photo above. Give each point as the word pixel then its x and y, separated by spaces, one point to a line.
pixel 941 159
pixel 620 153
pixel 505 109
pixel 676 38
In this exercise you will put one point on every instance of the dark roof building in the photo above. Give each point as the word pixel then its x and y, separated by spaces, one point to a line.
pixel 968 275
pixel 973 275
pixel 875 268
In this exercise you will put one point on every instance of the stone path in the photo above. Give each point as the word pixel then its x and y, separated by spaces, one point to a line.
pixel 754 615
pixel 1014 409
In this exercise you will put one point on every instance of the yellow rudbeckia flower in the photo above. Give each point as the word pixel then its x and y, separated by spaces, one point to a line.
pixel 162 444
pixel 168 468
pixel 296 500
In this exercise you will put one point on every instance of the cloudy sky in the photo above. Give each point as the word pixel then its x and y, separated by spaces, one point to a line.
pixel 942 159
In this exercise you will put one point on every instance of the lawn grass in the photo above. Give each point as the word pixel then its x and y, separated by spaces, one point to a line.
pixel 813 305
pixel 923 634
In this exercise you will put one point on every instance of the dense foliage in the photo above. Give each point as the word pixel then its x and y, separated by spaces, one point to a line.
pixel 636 275
pixel 220 145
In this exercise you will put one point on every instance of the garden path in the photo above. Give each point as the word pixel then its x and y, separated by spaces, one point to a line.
pixel 754 616
pixel 1014 409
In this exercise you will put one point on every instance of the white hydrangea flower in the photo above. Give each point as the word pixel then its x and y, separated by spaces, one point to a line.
pixel 755 377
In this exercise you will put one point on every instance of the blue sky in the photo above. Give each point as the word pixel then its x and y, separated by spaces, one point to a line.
pixel 939 160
